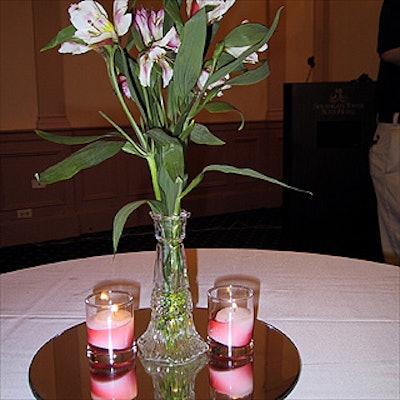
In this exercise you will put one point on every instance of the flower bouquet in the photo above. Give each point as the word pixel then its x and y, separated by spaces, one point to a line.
pixel 166 64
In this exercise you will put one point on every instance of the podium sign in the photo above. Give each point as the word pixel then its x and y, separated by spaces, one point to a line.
pixel 328 128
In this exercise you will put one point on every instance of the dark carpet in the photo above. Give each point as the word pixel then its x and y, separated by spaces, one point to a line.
pixel 258 229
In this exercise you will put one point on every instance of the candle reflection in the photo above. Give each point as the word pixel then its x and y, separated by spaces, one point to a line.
pixel 174 382
pixel 115 384
pixel 231 382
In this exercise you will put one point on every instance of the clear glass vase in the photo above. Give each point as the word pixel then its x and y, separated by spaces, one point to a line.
pixel 171 336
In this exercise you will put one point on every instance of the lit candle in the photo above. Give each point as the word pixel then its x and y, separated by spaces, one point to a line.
pixel 111 329
pixel 114 387
pixel 235 383
pixel 232 326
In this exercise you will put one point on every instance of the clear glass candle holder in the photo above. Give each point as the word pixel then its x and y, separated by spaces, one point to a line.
pixel 110 329
pixel 231 323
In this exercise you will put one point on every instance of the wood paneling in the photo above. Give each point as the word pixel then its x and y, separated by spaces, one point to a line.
pixel 89 201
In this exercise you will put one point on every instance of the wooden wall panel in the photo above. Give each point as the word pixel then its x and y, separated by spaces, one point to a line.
pixel 31 214
pixel 89 201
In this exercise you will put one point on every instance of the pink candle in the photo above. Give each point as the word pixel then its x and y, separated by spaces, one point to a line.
pixel 232 326
pixel 110 329
pixel 120 387
pixel 235 382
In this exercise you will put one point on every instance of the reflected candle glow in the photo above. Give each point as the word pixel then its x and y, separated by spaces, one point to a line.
pixel 233 382
pixel 117 387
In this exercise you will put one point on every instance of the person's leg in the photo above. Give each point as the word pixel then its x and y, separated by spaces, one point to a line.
pixel 385 173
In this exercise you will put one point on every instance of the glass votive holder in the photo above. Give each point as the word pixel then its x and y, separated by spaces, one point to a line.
pixel 117 384
pixel 231 382
pixel 110 329
pixel 230 322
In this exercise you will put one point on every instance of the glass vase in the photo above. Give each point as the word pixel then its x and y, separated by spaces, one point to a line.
pixel 171 336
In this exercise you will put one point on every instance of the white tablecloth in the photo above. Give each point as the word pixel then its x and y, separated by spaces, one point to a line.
pixel 342 314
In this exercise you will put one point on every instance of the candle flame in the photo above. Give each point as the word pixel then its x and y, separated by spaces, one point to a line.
pixel 104 296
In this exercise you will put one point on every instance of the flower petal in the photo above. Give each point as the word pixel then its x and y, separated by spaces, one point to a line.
pixel 141 22
pixel 156 24
pixel 170 41
pixel 167 71
pixel 122 21
pixel 219 8
pixel 145 67
pixel 74 48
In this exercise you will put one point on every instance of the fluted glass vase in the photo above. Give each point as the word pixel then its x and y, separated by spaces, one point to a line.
pixel 171 336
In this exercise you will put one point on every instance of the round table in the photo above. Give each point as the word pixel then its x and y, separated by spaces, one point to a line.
pixel 342 314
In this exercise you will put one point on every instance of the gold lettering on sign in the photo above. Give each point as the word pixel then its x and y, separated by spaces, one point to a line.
pixel 338 104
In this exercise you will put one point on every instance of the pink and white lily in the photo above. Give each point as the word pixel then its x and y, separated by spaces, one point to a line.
pixel 150 25
pixel 219 8
pixel 93 26
pixel 202 80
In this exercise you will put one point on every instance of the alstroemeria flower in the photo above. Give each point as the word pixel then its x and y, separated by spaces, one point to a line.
pixel 150 25
pixel 123 84
pixel 93 26
pixel 155 55
pixel 205 73
pixel 220 7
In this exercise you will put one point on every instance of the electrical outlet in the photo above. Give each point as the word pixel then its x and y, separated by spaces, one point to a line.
pixel 25 213
pixel 37 185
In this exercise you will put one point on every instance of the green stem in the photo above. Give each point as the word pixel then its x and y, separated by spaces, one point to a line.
pixel 114 83
pixel 153 172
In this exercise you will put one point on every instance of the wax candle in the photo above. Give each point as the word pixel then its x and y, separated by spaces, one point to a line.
pixel 232 326
pixel 235 382
pixel 119 387
pixel 109 329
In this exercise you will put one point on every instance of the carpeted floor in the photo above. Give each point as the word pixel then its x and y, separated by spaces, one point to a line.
pixel 261 229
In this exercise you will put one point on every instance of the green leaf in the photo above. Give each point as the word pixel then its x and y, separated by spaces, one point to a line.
pixel 250 77
pixel 202 135
pixel 121 218
pixel 247 34
pixel 172 16
pixel 172 159
pixel 160 137
pixel 171 190
pixel 64 35
pixel 124 213
pixel 72 140
pixel 222 106
pixel 229 169
pixel 251 32
pixel 189 60
pixel 131 149
pixel 90 155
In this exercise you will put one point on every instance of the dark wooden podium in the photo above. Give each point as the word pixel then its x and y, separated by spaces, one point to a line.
pixel 328 128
